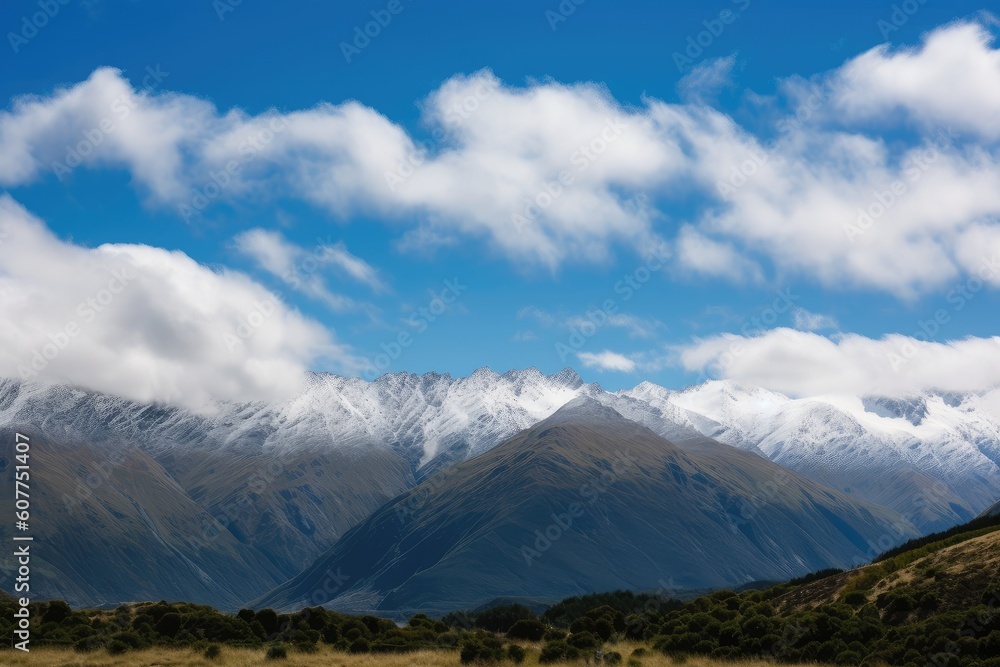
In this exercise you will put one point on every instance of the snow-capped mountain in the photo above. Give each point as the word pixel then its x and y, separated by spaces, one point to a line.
pixel 248 495
pixel 933 457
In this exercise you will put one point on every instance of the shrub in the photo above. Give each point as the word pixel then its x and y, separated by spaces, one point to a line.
pixel 584 640
pixel 213 652
pixel 117 647
pixel 277 652
pixel 613 658
pixel 516 654
pixel 856 598
pixel 527 629
pixel 553 651
pixel 169 624
pixel 360 645
pixel 639 652
pixel 848 658
pixel 56 611
pixel 87 644
pixel 481 649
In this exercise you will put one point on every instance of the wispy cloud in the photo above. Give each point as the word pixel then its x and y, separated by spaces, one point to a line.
pixel 302 269
pixel 807 321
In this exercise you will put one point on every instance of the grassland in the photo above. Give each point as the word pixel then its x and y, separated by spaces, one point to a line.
pixel 325 657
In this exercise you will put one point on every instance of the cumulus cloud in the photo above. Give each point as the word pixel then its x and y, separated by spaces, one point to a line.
pixel 607 361
pixel 544 173
pixel 549 173
pixel 953 78
pixel 146 323
pixel 800 363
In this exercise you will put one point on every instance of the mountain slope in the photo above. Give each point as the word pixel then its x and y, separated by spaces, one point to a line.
pixel 128 532
pixel 587 500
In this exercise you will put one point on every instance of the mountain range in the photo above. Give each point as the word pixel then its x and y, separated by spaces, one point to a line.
pixel 585 501
pixel 273 486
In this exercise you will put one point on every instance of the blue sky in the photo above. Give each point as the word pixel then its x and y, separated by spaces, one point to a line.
pixel 215 68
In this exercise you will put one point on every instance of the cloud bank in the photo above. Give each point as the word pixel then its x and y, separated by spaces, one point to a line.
pixel 800 363
pixel 145 323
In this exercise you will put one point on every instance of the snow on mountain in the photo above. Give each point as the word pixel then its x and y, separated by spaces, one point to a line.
pixel 912 453
pixel 933 453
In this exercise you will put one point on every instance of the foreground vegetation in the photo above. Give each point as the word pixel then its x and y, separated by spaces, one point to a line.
pixel 935 602
pixel 325 657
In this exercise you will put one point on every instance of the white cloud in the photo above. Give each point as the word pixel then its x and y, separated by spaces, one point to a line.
pixel 489 165
pixel 637 327
pixel 801 363
pixel 534 312
pixel 146 323
pixel 700 254
pixel 302 269
pixel 607 361
pixel 707 79
pixel 953 78
pixel 352 266
pixel 808 321
pixel 830 198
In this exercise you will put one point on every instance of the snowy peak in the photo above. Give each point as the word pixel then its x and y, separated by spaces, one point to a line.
pixel 586 411
pixel 433 420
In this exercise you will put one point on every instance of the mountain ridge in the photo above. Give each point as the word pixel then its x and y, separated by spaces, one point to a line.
pixel 566 507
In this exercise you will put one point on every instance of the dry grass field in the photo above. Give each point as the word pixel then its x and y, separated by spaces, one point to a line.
pixel 232 657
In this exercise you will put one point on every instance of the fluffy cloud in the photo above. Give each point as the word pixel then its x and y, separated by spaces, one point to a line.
pixel 549 173
pixel 607 361
pixel 801 363
pixel 953 78
pixel 146 323
pixel 701 255
pixel 544 173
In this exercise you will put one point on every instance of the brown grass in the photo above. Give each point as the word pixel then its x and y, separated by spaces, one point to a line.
pixel 325 657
